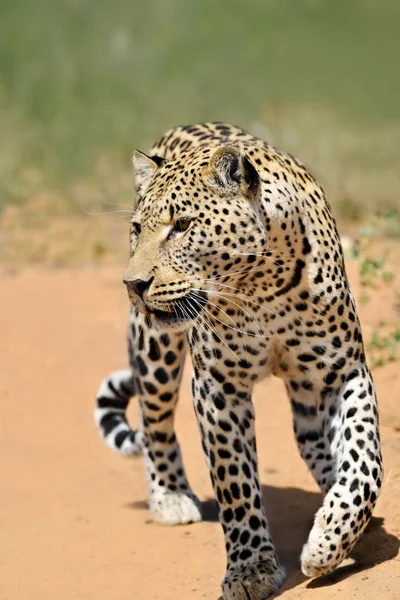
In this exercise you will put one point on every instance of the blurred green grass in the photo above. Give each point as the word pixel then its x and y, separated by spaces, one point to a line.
pixel 83 82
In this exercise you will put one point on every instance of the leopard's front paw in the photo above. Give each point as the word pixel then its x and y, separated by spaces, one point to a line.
pixel 253 582
pixel 175 508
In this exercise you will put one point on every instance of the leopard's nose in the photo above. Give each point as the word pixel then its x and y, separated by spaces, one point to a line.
pixel 138 286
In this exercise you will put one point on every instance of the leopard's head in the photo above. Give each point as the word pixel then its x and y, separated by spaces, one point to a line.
pixel 195 228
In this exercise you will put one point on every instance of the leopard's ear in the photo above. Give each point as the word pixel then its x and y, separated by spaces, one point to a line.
pixel 231 170
pixel 144 167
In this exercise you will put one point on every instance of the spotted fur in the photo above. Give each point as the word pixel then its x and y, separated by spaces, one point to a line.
pixel 235 253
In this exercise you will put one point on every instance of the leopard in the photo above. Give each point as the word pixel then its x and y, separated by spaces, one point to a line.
pixel 235 257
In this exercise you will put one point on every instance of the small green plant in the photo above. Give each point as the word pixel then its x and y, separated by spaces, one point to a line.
pixel 390 223
pixel 384 348
pixel 373 270
pixel 350 209
pixel 99 250
pixel 384 344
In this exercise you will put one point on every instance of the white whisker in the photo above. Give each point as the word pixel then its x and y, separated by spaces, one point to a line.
pixel 230 318
pixel 101 214
pixel 245 298
pixel 213 329
pixel 197 320
pixel 243 310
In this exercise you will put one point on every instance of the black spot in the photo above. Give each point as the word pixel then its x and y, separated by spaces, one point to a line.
pixel 244 538
pixel 217 375
pixel 301 306
pixel 306 357
pixel 244 364
pixel 366 491
pixel 354 455
pixel 227 515
pixel 154 351
pixel 234 536
pixel 330 378
pixel 352 375
pixel 306 246
pixel 319 350
pixel 164 338
pixel 150 388
pixel 221 473
pixel 254 523
pixel 364 469
pixel 246 490
pixel 219 401
pixel 143 370
pixel 240 513
pixel 351 412
pixel 246 470
pixel 161 375
pixel 318 278
pixel 235 491
pixel 233 470
pixel 170 357
pixel 225 426
pixel 229 388
pixel 222 453
pixel 293 342
pixel 339 364
pixel 228 497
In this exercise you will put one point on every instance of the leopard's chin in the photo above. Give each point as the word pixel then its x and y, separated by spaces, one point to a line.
pixel 163 320
pixel 184 312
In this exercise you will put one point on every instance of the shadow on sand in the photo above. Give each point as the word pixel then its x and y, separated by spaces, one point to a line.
pixel 290 514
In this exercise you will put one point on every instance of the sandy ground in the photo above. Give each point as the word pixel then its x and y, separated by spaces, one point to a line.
pixel 73 519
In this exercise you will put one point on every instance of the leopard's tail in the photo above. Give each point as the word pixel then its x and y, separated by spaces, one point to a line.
pixel 112 400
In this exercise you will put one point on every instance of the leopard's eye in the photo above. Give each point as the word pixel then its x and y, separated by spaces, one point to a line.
pixel 183 224
pixel 136 228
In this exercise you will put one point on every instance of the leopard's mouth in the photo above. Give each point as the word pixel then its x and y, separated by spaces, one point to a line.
pixel 180 312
